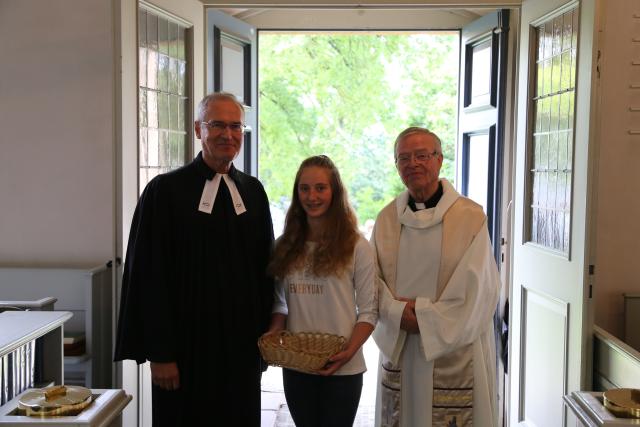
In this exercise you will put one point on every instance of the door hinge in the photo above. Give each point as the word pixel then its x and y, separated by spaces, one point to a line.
pixel 592 271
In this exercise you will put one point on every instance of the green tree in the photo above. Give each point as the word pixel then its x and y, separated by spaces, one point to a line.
pixel 348 96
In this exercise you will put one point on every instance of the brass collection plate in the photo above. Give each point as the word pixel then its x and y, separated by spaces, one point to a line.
pixel 623 402
pixel 57 400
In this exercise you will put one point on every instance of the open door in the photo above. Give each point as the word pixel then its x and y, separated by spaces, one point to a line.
pixel 550 294
pixel 481 113
pixel 481 140
pixel 231 67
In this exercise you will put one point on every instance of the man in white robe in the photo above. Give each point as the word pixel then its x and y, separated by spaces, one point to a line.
pixel 439 288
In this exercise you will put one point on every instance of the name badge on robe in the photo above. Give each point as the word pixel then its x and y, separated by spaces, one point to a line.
pixel 210 191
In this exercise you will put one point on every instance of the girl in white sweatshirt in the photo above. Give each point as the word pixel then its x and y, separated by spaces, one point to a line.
pixel 325 283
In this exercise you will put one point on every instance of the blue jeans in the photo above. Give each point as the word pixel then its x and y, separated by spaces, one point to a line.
pixel 317 401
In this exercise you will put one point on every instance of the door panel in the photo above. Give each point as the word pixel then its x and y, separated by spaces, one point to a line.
pixel 481 137
pixel 231 67
pixel 478 174
pixel 483 69
pixel 545 326
pixel 550 325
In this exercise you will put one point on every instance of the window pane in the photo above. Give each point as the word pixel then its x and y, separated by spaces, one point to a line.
pixel 539 79
pixel 163 36
pixel 565 78
pixel 182 47
pixel 163 111
pixel 232 60
pixel 549 188
pixel 143 147
pixel 556 73
pixel 554 110
pixel 173 39
pixel 547 76
pixel 540 156
pixel 569 146
pixel 481 75
pixel 182 114
pixel 142 28
pixel 557 35
pixel 567 31
pixel 152 31
pixel 162 82
pixel 182 77
pixel 142 67
pixel 163 73
pixel 173 75
pixel 548 39
pixel 152 69
pixel 163 148
pixel 152 109
pixel 553 151
pixel 174 142
pixel 142 113
pixel 478 169
pixel 173 112
pixel 143 177
pixel 153 147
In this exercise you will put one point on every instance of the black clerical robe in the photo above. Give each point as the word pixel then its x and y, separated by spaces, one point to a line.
pixel 195 291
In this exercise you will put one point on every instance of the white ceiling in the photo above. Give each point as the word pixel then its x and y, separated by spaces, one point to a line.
pixel 362 18
pixel 246 13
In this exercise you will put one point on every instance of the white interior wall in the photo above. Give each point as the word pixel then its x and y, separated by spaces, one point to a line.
pixel 618 210
pixel 56 116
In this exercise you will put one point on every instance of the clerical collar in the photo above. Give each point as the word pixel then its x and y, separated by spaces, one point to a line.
pixel 430 203
pixel 212 184
pixel 210 191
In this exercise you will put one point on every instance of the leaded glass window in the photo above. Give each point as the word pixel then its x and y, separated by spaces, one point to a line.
pixel 164 119
pixel 551 148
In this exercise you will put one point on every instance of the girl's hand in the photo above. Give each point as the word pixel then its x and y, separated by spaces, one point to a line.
pixel 336 362
pixel 361 332
pixel 273 331
pixel 278 323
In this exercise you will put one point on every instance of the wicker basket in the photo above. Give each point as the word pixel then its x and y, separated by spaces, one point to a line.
pixel 302 351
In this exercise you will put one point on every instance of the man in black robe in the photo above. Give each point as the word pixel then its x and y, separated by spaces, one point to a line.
pixel 195 294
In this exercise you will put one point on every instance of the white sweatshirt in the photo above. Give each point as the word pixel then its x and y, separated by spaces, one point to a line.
pixel 332 304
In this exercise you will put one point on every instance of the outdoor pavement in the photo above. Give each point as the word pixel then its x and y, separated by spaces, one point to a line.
pixel 274 405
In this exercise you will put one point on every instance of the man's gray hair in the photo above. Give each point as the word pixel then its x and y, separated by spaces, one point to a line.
pixel 416 129
pixel 217 96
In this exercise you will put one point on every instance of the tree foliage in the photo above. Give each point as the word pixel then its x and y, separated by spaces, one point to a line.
pixel 348 96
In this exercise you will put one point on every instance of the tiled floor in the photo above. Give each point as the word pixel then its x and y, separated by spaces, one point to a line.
pixel 274 409
pixel 272 396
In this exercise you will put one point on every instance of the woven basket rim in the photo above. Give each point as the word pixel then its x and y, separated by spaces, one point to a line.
pixel 302 351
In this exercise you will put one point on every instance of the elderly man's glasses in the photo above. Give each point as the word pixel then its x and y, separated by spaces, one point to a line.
pixel 419 156
pixel 218 126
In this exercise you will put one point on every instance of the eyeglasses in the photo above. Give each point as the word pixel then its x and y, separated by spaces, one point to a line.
pixel 219 126
pixel 420 156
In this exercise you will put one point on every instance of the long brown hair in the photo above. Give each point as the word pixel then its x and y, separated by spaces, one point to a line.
pixel 334 251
